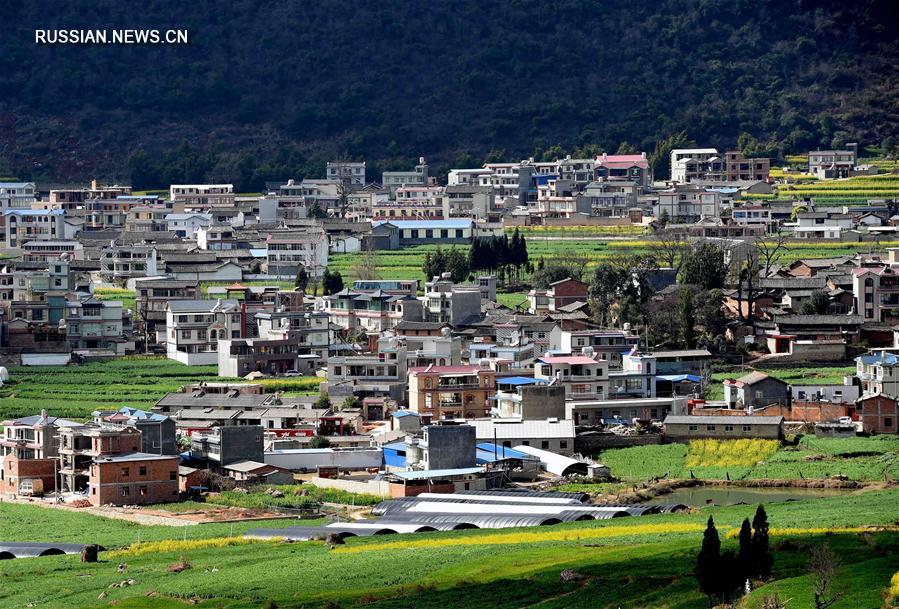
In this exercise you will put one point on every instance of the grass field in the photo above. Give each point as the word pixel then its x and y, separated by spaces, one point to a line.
pixel 862 459
pixel 639 562
pixel 138 382
pixel 295 496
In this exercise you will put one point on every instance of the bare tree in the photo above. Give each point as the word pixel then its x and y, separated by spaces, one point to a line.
pixel 670 248
pixel 773 601
pixel 744 272
pixel 824 564
pixel 366 267
pixel 770 250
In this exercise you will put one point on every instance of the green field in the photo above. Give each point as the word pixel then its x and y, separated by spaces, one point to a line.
pixel 75 391
pixel 636 562
pixel 862 459
pixel 295 496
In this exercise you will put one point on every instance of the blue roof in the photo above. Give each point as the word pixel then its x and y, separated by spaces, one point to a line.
pixel 33 212
pixel 426 223
pixel 486 451
pixel 142 414
pixel 520 380
pixel 887 359
pixel 680 378
pixel 405 413
pixel 397 446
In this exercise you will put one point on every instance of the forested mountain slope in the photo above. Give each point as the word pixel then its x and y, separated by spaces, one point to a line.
pixel 270 89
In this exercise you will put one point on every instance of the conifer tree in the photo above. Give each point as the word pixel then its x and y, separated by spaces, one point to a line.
pixel 761 554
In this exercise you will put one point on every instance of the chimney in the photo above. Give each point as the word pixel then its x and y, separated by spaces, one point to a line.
pixel 94 184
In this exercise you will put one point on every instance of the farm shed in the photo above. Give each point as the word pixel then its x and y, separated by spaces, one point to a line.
pixel 684 428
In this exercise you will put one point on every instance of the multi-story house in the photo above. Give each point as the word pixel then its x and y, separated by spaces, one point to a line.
pixel 80 445
pixel 392 180
pixel 186 225
pixel 521 397
pixel 133 479
pixel 152 297
pixel 47 251
pixel 469 201
pixel 689 203
pixel 378 374
pixel 157 431
pixel 202 196
pixel 348 172
pixel 410 203
pixel 146 218
pixel 832 164
pixel 821 225
pixel 878 373
pixel 95 324
pixel 123 262
pixel 584 377
pixel 240 356
pixel 445 302
pixel 738 168
pixel 288 251
pixel 579 172
pixel 876 293
pixel 747 215
pixel 623 167
pixel 24 225
pixel 429 343
pixel 371 311
pixel 690 163
pixel 33 437
pixel 16 195
pixel 454 392
pixel 194 327
pixel 610 199
pixel 559 294
pixel 309 330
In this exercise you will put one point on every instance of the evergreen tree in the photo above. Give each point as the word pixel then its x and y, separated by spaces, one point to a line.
pixel 302 279
pixel 456 264
pixel 707 570
pixel 687 318
pixel 761 554
pixel 331 282
pixel 705 266
pixel 744 557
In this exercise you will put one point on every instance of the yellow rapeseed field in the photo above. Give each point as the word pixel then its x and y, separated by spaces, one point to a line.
pixel 793 532
pixel 729 453
pixel 178 545
pixel 530 537
pixel 894 587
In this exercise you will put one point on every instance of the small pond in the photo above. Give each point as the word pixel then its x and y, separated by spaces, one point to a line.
pixel 717 495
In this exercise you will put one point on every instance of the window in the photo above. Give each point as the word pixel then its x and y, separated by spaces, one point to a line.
pixel 563 444
pixel 747 428
pixel 173 475
pixel 728 428
pixel 126 471
pixel 710 428
pixel 126 491
pixel 888 421
pixel 525 443
pixel 142 490
pixel 693 427
pixel 544 444
pixel 142 470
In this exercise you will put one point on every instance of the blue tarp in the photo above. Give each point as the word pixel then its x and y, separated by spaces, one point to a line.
pixel 520 380
pixel 679 378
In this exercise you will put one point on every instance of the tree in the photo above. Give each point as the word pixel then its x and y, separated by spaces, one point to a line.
pixel 318 441
pixel 315 211
pixel 456 264
pixel 746 276
pixel 761 554
pixel 660 159
pixel 548 274
pixel 302 279
pixel 323 402
pixel 604 287
pixel 671 248
pixel 823 565
pixel 350 402
pixel 366 267
pixel 626 148
pixel 710 312
pixel 705 266
pixel 331 282
pixel 770 250
pixel 687 317
pixel 707 570
pixel 744 557
pixel 817 304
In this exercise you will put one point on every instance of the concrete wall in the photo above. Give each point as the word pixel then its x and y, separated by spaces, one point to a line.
pixel 542 401
pixel 450 446
pixel 310 459
pixel 370 487
pixel 240 443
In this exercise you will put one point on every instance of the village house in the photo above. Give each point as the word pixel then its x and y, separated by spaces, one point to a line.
pixel 194 327
pixel 755 390
pixel 453 392
pixel 686 428
pixel 582 376
pixel 133 479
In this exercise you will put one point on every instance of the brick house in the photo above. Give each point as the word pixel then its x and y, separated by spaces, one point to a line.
pixel 565 292
pixel 15 470
pixel 878 413
pixel 449 392
pixel 133 479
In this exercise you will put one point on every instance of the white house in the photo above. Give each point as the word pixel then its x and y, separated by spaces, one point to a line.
pixel 194 327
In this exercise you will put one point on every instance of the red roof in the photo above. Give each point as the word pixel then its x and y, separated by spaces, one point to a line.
pixel 445 369
pixel 567 359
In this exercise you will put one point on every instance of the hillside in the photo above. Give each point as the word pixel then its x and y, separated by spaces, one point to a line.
pixel 270 90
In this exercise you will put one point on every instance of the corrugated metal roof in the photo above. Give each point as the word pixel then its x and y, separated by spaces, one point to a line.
pixel 720 420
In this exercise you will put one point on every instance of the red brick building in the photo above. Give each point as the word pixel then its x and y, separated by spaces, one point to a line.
pixel 15 470
pixel 878 413
pixel 133 479
pixel 566 292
